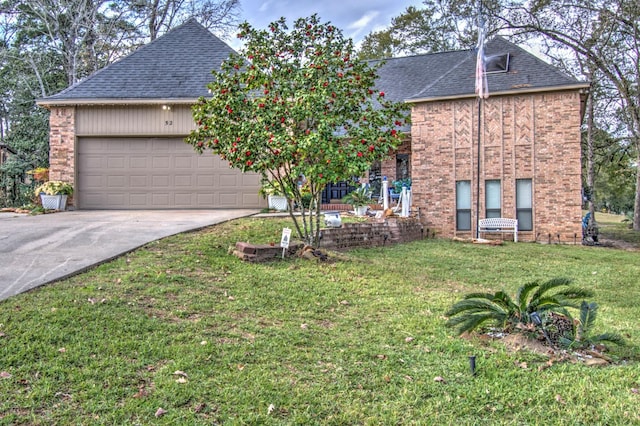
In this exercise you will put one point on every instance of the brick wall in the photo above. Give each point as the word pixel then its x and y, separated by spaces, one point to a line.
pixel 62 138
pixel 392 230
pixel 533 136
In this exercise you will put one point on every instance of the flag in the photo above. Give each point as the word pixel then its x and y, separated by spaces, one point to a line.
pixel 482 88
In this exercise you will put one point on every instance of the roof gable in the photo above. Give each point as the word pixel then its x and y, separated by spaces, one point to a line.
pixel 452 74
pixel 175 66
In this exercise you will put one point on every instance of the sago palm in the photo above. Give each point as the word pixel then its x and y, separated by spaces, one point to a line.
pixel 500 310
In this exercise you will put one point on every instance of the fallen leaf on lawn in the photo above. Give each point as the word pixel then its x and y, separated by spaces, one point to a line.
pixel 344 302
pixel 180 373
pixel 304 326
pixel 560 400
pixel 204 342
pixel 181 380
pixel 62 350
pixel 240 367
pixel 387 379
pixel 92 301
pixel 160 412
pixel 522 365
pixel 271 408
pixel 595 362
pixel 408 339
pixel 119 281
pixel 408 378
pixel 151 367
pixel 5 375
pixel 232 298
pixel 381 356
pixel 142 392
pixel 439 379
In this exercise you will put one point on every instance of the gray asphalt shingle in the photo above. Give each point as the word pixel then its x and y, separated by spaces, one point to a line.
pixel 175 66
pixel 178 66
pixel 454 73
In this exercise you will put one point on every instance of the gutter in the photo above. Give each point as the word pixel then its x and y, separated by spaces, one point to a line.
pixel 518 91
pixel 111 101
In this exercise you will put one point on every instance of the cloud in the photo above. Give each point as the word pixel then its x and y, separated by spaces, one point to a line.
pixel 264 6
pixel 364 21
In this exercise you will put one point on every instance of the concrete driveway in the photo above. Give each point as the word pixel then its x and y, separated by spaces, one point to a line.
pixel 35 250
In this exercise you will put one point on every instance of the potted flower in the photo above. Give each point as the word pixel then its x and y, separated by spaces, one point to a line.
pixel 54 193
pixel 359 198
pixel 276 200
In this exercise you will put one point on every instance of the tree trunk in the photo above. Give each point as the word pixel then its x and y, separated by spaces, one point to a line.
pixel 590 160
pixel 636 207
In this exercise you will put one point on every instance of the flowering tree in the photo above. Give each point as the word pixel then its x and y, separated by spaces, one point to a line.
pixel 297 103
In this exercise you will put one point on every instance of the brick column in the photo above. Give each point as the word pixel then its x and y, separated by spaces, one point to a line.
pixel 62 144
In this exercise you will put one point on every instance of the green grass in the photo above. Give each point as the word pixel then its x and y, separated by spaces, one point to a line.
pixel 355 341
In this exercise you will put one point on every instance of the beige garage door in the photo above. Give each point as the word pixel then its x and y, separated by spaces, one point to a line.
pixel 158 173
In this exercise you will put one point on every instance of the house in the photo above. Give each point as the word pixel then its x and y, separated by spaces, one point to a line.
pixel 118 136
pixel 525 164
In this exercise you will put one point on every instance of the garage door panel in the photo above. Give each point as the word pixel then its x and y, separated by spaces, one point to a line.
pixel 138 173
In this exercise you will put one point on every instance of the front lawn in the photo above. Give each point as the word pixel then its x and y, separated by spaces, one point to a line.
pixel 182 326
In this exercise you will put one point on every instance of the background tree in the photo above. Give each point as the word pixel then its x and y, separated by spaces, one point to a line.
pixel 297 107
pixel 159 16
pixel 605 34
pixel 438 26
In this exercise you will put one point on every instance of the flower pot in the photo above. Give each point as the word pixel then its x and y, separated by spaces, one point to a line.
pixel 360 210
pixel 278 202
pixel 53 202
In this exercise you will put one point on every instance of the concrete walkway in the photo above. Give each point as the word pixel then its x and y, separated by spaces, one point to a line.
pixel 35 250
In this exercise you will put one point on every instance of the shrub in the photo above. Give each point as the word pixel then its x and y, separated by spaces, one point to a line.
pixel 500 310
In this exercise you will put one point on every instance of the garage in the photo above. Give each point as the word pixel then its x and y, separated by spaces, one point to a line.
pixel 157 173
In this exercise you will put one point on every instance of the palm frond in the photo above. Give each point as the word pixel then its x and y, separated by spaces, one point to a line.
pixel 523 294
pixel 588 314
pixel 573 293
pixel 549 285
pixel 471 322
pixel 503 299
pixel 473 306
pixel 488 296
pixel 609 337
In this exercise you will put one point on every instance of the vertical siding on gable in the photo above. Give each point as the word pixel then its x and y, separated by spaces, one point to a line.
pixel 129 120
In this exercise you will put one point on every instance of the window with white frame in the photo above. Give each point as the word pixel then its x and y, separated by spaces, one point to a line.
pixel 492 199
pixel 463 205
pixel 524 204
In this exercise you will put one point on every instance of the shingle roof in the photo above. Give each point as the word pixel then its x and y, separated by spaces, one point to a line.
pixel 452 74
pixel 175 66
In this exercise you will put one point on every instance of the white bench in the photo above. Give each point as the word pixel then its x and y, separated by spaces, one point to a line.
pixel 500 224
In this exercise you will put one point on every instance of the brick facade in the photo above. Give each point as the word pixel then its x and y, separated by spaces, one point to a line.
pixel 534 136
pixel 62 143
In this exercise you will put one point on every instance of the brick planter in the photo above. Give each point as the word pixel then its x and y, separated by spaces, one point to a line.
pixel 381 232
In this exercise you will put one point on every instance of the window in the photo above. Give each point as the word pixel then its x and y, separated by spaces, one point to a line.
pixel 463 205
pixel 524 205
pixel 403 166
pixel 492 197
pixel 497 63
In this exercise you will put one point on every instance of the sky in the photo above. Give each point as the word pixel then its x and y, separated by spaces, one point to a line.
pixel 356 18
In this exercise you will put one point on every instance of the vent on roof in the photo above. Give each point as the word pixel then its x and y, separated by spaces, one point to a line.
pixel 497 63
